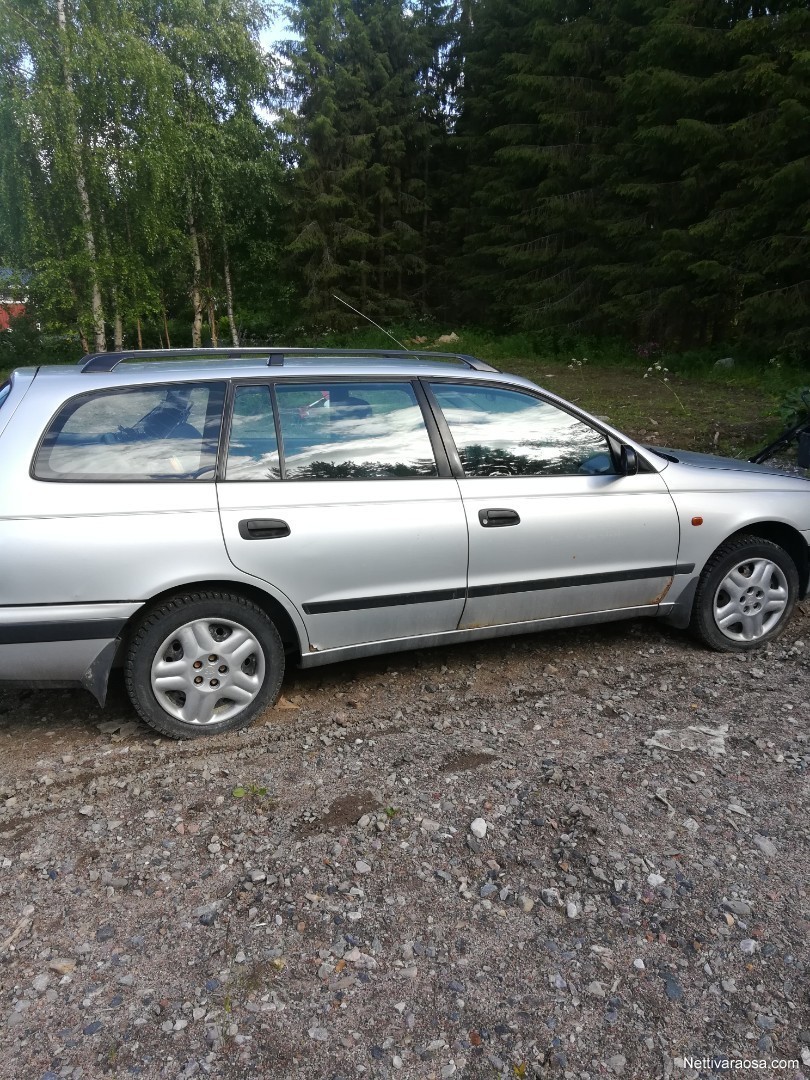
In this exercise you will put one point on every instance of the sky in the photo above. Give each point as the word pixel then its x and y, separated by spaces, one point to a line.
pixel 278 30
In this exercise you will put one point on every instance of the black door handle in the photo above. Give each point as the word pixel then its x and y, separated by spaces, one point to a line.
pixel 497 519
pixel 263 528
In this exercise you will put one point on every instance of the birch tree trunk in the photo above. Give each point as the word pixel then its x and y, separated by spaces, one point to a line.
pixel 209 297
pixel 226 265
pixel 97 306
pixel 84 341
pixel 118 327
pixel 212 323
pixel 196 292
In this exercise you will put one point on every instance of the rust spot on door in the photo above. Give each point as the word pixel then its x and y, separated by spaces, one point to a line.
pixel 657 599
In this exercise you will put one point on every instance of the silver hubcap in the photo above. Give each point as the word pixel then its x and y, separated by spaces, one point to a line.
pixel 208 671
pixel 750 600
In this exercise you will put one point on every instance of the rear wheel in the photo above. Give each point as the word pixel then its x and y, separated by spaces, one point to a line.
pixel 746 595
pixel 204 663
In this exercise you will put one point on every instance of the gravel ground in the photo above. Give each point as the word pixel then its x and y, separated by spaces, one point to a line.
pixel 469 861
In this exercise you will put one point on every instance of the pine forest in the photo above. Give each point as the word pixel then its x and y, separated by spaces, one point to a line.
pixel 639 169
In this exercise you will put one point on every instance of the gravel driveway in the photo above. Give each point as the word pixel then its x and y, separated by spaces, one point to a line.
pixel 581 854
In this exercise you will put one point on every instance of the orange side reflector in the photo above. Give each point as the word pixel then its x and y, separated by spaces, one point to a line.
pixel 697 520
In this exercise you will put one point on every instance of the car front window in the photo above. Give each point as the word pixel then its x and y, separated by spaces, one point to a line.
pixel 502 432
pixel 166 432
pixel 353 431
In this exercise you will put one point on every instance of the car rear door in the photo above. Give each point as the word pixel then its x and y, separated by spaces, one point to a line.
pixel 337 493
pixel 554 529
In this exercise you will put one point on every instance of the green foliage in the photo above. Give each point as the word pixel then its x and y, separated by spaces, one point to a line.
pixel 794 408
pixel 251 791
pixel 366 120
pixel 638 168
pixel 122 127
pixel 586 177
pixel 25 345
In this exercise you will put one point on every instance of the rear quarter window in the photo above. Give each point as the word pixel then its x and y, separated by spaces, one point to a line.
pixel 166 432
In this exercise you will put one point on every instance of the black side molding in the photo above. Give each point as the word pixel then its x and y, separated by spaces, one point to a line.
pixel 391 600
pixel 543 584
pixel 360 603
pixel 25 633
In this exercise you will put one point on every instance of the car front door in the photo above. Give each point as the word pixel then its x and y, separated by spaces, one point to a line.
pixel 554 529
pixel 333 494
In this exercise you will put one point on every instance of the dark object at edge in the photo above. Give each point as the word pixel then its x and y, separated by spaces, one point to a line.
pixel 800 433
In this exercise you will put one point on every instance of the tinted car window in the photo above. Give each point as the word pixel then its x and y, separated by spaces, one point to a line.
pixel 353 431
pixel 5 390
pixel 253 447
pixel 507 433
pixel 167 432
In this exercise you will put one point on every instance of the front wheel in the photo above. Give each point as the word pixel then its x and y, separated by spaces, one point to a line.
pixel 204 663
pixel 745 596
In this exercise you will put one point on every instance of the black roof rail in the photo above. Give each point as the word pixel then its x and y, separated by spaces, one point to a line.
pixel 276 356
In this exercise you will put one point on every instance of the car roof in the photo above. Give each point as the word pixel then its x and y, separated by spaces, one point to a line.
pixel 116 369
pixel 147 370
pixel 274 356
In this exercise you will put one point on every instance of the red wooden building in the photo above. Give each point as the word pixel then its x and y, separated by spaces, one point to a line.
pixel 12 295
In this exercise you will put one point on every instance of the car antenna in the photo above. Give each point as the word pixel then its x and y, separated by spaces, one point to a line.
pixel 381 328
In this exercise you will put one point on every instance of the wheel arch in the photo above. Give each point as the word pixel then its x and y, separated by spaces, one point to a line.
pixel 778 532
pixel 269 604
pixel 788 538
pixel 96 678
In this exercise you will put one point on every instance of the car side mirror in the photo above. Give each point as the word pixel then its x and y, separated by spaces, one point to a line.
pixel 628 460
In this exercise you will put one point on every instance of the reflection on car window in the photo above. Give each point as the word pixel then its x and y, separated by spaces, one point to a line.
pixel 507 433
pixel 252 447
pixel 357 431
pixel 138 433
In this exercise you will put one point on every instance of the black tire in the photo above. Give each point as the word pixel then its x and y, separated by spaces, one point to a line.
pixel 717 594
pixel 229 620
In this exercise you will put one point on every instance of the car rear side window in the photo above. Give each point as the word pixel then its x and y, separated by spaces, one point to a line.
pixel 508 433
pixel 253 446
pixel 353 431
pixel 166 432
pixel 5 390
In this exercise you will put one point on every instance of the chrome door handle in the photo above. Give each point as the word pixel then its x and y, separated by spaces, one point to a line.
pixel 497 519
pixel 263 528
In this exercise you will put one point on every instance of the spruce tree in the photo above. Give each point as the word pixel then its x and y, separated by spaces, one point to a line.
pixel 364 120
pixel 540 129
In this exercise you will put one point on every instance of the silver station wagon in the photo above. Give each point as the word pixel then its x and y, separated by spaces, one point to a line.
pixel 206 518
